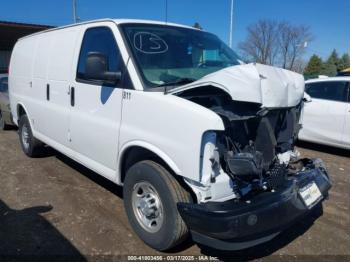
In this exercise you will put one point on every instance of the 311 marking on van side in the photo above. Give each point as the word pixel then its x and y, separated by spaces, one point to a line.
pixel 126 95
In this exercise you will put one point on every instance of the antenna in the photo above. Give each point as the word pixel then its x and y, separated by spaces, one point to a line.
pixel 231 24
pixel 75 18
pixel 166 11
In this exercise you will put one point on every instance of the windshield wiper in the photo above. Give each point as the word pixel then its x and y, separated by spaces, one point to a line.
pixel 179 81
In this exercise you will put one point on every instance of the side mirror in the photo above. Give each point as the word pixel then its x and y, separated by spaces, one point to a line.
pixel 96 68
pixel 307 98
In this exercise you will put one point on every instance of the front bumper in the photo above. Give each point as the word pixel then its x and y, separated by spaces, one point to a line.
pixel 235 225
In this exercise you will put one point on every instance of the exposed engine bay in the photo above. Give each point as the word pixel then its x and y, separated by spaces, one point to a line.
pixel 257 147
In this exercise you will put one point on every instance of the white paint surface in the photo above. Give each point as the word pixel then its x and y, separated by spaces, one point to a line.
pixel 269 86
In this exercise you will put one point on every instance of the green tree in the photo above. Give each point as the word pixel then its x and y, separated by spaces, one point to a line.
pixel 329 69
pixel 344 62
pixel 314 66
pixel 334 59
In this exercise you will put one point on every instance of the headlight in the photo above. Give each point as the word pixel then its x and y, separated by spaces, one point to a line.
pixel 210 162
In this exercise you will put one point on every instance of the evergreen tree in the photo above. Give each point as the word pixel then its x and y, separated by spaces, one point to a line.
pixel 314 66
pixel 333 60
pixel 344 62
pixel 329 69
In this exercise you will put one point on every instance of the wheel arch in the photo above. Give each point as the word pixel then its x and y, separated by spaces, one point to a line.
pixel 20 111
pixel 137 151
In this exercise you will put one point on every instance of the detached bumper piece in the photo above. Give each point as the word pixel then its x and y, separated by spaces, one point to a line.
pixel 233 225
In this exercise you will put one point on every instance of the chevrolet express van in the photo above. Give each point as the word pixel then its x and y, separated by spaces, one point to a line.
pixel 202 143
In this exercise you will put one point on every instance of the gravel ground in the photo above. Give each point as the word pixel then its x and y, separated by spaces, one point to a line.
pixel 52 206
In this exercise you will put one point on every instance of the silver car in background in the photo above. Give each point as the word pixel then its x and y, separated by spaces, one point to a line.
pixel 5 112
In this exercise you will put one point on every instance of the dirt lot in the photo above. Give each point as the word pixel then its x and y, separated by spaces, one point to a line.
pixel 52 206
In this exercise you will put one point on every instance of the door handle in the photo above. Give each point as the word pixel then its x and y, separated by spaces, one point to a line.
pixel 72 96
pixel 47 92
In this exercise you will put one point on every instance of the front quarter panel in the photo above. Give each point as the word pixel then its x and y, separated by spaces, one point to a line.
pixel 172 125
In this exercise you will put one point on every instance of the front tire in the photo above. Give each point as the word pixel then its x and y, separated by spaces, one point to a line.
pixel 151 195
pixel 30 145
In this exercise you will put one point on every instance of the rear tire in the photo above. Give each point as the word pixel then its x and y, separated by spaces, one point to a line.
pixel 30 145
pixel 151 195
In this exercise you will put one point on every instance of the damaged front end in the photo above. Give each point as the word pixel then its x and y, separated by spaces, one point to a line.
pixel 238 224
pixel 271 187
pixel 257 147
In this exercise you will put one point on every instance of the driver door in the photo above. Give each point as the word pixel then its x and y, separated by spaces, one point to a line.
pixel 96 108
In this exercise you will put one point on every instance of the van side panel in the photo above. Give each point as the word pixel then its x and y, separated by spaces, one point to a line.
pixel 56 105
pixel 41 60
pixel 20 74
pixel 53 61
pixel 62 53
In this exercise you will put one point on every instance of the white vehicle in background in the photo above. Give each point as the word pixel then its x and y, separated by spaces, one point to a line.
pixel 201 143
pixel 326 118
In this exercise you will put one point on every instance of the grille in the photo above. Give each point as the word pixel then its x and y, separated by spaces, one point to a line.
pixel 276 176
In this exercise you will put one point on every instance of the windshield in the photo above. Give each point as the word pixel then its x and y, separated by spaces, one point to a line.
pixel 171 56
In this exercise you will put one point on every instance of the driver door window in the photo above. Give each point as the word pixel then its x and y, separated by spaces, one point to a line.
pixel 99 39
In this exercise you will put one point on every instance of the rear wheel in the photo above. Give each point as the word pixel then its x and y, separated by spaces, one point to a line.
pixel 30 145
pixel 151 195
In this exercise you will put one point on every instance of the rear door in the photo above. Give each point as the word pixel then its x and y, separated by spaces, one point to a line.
pixel 324 117
pixel 96 107
pixel 51 81
pixel 346 131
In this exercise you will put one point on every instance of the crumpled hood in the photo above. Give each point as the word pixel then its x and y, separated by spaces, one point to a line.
pixel 269 86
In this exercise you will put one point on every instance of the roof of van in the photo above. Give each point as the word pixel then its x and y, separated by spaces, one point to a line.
pixel 117 21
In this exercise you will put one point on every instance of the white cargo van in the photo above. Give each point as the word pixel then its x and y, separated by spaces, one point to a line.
pixel 202 143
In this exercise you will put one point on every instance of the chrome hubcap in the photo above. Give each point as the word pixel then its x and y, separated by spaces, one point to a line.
pixel 147 206
pixel 25 137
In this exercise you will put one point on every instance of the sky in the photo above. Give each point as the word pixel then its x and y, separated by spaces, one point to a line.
pixel 328 19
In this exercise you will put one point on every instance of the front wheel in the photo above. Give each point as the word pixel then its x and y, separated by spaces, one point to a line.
pixel 151 195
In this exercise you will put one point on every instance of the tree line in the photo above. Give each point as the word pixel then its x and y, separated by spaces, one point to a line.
pixel 284 44
pixel 330 67
pixel 276 43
